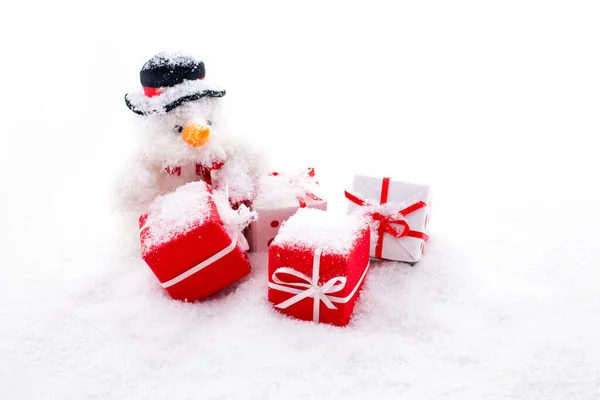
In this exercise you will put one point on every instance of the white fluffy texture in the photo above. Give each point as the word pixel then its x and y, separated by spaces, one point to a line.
pixel 156 104
pixel 161 146
pixel 177 213
pixel 187 207
pixel 240 173
pixel 160 143
pixel 388 209
pixel 495 104
pixel 317 229
pixel 284 190
pixel 235 221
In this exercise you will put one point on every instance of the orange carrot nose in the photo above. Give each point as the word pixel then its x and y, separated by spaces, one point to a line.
pixel 195 135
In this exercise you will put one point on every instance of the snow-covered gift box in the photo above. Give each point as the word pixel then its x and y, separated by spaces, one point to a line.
pixel 189 247
pixel 279 196
pixel 399 213
pixel 317 265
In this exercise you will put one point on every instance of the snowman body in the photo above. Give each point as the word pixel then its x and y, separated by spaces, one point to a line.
pixel 183 138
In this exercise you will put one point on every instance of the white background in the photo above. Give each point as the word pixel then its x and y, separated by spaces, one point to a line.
pixel 495 104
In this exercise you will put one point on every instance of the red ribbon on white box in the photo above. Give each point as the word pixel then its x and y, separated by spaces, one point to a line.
pixel 311 288
pixel 296 181
pixel 386 221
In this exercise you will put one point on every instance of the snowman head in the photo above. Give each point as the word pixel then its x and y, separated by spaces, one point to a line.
pixel 179 111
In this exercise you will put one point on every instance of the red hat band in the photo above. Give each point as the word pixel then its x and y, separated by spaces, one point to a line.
pixel 152 91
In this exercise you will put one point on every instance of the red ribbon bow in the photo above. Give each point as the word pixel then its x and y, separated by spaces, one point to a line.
pixel 386 221
pixel 205 172
pixel 201 170
pixel 310 173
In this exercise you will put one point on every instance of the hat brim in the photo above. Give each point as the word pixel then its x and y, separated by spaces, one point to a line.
pixel 171 99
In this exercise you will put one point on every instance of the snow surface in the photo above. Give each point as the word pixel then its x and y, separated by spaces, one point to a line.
pixel 177 212
pixel 285 190
pixel 318 229
pixel 494 104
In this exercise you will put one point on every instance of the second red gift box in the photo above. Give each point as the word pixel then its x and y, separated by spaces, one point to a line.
pixel 317 265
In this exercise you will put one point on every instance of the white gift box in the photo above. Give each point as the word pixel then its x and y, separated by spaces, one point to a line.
pixel 279 197
pixel 399 214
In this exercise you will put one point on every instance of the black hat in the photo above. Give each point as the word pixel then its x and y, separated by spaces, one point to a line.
pixel 170 80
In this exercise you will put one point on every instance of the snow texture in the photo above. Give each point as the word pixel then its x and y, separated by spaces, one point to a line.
pixel 157 104
pixel 240 173
pixel 493 104
pixel 177 213
pixel 317 229
pixel 160 145
pixel 234 220
pixel 169 58
pixel 284 190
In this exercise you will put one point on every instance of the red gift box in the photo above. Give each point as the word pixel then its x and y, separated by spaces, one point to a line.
pixel 187 246
pixel 312 278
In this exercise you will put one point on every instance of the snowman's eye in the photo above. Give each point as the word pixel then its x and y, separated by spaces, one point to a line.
pixel 209 122
pixel 178 129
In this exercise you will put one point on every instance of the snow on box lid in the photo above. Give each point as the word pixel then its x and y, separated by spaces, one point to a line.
pixel 282 191
pixel 177 212
pixel 318 229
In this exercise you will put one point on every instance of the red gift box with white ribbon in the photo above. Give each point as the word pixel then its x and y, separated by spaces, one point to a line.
pixel 317 266
pixel 399 214
pixel 185 242
pixel 279 196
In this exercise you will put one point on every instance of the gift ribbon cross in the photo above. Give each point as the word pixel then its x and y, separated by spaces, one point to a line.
pixel 386 221
pixel 310 287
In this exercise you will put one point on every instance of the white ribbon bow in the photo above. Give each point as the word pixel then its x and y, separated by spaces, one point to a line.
pixel 234 221
pixel 311 288
pixel 236 226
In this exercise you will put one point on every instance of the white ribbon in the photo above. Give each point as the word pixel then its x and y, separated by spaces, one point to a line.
pixel 204 263
pixel 241 240
pixel 244 216
pixel 235 226
pixel 234 221
pixel 200 266
pixel 320 293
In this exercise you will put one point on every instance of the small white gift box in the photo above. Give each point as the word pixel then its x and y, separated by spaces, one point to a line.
pixel 399 213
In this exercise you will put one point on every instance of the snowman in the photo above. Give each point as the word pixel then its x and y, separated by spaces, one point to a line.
pixel 183 137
